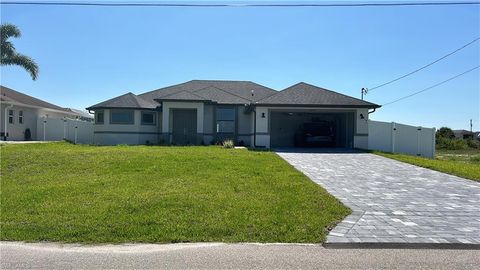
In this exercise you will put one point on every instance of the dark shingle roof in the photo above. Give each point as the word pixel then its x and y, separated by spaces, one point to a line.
pixel 10 95
pixel 184 95
pixel 129 100
pixel 240 89
pixel 236 92
pixel 221 96
pixel 306 94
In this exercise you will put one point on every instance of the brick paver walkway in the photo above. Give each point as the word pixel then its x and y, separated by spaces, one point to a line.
pixel 394 202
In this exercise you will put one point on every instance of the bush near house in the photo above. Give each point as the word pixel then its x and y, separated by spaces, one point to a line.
pixel 90 194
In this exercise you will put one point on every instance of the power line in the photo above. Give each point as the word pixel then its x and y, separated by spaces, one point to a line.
pixel 131 4
pixel 433 86
pixel 417 70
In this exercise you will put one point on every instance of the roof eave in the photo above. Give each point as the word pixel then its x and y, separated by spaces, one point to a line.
pixel 93 108
pixel 372 106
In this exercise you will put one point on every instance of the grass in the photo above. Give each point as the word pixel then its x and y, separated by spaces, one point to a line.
pixel 463 163
pixel 91 194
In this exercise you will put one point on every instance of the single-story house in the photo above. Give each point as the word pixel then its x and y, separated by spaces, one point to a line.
pixel 463 134
pixel 209 111
pixel 20 113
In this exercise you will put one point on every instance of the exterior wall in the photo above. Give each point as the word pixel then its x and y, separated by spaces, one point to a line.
pixel 136 133
pixel 360 138
pixel 16 131
pixel 209 125
pixel 262 117
pixel 161 132
pixel 244 126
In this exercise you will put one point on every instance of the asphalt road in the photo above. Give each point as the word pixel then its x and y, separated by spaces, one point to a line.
pixel 15 255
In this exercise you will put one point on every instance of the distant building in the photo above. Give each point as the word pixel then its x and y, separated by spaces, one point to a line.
pixel 463 134
pixel 20 113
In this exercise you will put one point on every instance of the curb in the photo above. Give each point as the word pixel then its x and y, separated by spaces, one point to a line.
pixel 401 246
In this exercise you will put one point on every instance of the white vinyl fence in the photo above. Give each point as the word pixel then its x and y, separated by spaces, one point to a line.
pixel 399 138
pixel 57 129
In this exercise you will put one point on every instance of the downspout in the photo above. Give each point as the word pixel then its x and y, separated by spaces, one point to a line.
pixel 374 109
pixel 6 121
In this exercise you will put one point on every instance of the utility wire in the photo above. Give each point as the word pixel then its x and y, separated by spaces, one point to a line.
pixel 144 4
pixel 419 69
pixel 433 86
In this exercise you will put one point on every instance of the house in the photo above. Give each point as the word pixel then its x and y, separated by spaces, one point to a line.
pixel 208 111
pixel 20 114
pixel 463 134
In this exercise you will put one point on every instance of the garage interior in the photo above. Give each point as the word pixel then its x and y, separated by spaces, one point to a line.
pixel 285 127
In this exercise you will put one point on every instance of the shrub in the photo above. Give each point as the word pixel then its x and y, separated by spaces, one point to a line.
pixel 473 144
pixel 475 159
pixel 451 144
pixel 228 144
pixel 444 132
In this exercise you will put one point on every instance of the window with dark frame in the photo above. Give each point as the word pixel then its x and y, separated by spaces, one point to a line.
pixel 11 114
pixel 225 120
pixel 122 117
pixel 99 117
pixel 20 117
pixel 148 118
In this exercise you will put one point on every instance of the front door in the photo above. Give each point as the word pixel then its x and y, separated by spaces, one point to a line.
pixel 184 127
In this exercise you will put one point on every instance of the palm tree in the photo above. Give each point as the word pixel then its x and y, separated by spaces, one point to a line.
pixel 9 55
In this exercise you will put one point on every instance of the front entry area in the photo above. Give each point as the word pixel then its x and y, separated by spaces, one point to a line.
pixel 311 129
pixel 184 126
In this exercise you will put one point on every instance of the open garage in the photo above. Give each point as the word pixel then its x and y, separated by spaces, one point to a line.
pixel 311 128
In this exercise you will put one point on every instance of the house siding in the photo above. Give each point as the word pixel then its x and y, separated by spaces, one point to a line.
pixel 132 134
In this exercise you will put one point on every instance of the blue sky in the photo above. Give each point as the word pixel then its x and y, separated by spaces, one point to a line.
pixel 90 54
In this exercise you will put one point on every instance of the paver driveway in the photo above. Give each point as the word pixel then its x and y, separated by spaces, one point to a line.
pixel 393 202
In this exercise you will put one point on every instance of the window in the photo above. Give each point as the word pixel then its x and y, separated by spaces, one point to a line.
pixel 148 118
pixel 226 120
pixel 99 116
pixel 10 116
pixel 124 117
pixel 20 117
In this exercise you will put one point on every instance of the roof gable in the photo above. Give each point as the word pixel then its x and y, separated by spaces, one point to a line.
pixel 128 100
pixel 307 94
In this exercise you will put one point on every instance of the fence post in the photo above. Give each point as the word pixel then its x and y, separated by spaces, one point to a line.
pixel 64 128
pixel 44 124
pixel 76 134
pixel 393 129
pixel 418 140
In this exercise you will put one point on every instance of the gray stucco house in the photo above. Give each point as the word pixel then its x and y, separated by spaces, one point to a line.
pixel 208 111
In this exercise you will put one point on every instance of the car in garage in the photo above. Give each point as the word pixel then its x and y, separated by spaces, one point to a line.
pixel 319 134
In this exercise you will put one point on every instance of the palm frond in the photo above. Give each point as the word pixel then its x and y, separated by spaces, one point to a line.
pixel 6 49
pixel 24 61
pixel 9 30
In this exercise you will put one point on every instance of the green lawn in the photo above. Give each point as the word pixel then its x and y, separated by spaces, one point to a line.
pixel 463 163
pixel 92 194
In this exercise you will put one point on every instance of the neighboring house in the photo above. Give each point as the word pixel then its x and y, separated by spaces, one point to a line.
pixel 20 113
pixel 209 111
pixel 463 134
